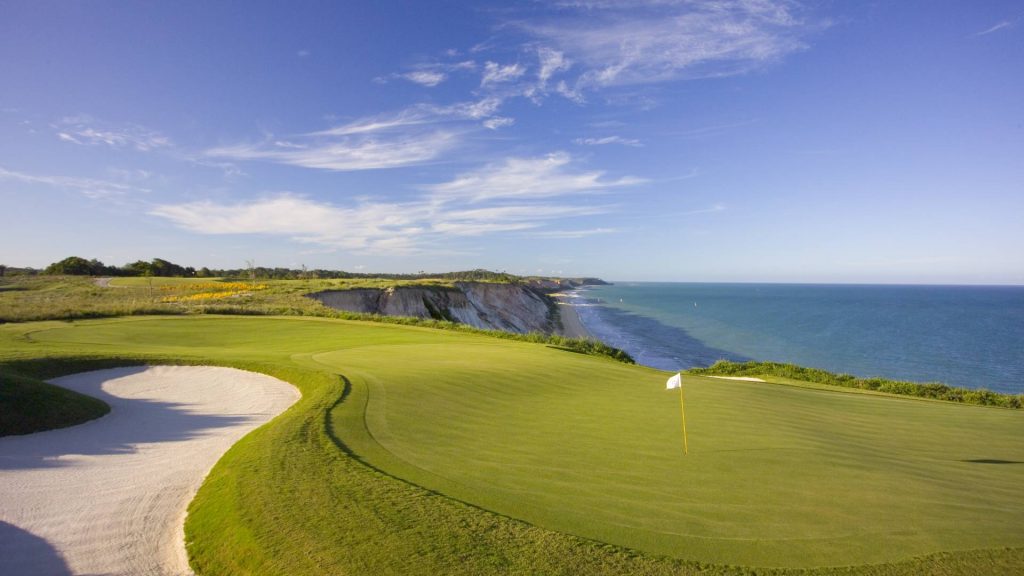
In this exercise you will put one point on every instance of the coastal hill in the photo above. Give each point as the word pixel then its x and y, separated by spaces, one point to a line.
pixel 521 307
pixel 484 299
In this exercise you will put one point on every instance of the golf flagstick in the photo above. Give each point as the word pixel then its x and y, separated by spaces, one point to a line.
pixel 677 382
pixel 682 410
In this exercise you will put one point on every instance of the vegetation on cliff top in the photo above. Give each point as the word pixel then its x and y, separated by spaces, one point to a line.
pixel 931 390
pixel 33 298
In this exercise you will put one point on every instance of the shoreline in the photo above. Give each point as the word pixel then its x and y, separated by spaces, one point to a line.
pixel 572 325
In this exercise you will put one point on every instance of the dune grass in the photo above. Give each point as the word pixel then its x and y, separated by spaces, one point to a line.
pixel 419 451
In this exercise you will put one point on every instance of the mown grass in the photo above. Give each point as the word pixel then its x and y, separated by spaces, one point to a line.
pixel 28 405
pixel 416 451
pixel 933 390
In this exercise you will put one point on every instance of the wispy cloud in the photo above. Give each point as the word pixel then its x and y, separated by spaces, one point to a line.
pixel 716 129
pixel 368 226
pixel 498 122
pixel 645 41
pixel 84 131
pixel 569 234
pixel 89 187
pixel 348 154
pixel 608 140
pixel 999 26
pixel 429 78
pixel 544 177
pixel 495 73
pixel 416 135
pixel 516 195
pixel 551 62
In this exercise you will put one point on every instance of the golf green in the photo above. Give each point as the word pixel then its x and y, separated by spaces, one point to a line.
pixel 776 475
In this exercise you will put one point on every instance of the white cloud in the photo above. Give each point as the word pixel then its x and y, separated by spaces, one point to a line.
pixel 366 226
pixel 429 78
pixel 472 110
pixel 995 28
pixel 570 93
pixel 608 140
pixel 620 43
pixel 80 130
pixel 495 73
pixel 551 63
pixel 568 234
pixel 415 135
pixel 543 177
pixel 498 122
pixel 349 154
pixel 410 117
pixel 513 196
pixel 89 187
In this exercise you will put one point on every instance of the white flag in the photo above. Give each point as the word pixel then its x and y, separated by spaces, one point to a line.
pixel 674 382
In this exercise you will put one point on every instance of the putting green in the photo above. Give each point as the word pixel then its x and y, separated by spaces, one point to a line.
pixel 776 476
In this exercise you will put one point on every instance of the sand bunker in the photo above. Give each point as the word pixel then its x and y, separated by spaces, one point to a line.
pixel 109 496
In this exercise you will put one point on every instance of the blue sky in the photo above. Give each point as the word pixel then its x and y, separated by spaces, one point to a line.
pixel 724 140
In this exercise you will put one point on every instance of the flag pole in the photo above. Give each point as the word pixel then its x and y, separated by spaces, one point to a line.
pixel 682 410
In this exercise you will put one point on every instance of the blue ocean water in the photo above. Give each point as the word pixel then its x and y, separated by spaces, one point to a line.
pixel 971 336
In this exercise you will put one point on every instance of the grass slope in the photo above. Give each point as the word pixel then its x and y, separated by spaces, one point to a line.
pixel 405 437
pixel 29 405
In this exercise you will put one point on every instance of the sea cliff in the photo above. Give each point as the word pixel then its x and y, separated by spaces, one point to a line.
pixel 512 307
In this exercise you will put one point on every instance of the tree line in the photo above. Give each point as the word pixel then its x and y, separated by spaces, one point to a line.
pixel 78 266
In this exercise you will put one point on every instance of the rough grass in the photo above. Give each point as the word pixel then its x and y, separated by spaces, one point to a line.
pixel 407 440
pixel 147 281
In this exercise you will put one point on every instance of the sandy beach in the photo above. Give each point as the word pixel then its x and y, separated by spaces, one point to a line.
pixel 571 324
pixel 110 496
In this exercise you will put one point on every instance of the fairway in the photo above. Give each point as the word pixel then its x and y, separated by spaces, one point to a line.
pixel 575 446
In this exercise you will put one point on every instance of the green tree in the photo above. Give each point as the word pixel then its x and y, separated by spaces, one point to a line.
pixel 74 266
pixel 138 268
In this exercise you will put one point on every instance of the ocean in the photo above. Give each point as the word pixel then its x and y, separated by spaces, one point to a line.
pixel 970 336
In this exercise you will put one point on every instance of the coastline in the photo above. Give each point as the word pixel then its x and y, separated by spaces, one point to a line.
pixel 572 326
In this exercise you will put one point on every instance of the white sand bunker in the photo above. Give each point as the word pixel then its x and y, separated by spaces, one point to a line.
pixel 109 496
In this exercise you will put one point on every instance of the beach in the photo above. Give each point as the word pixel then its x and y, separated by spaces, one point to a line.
pixel 572 326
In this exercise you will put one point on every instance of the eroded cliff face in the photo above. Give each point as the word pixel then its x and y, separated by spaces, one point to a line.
pixel 509 307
